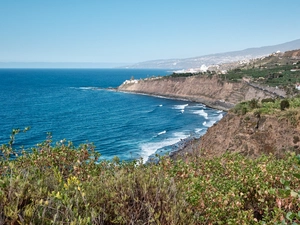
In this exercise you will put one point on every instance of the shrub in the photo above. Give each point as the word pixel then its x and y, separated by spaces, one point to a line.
pixel 267 100
pixel 257 113
pixel 241 108
pixel 253 104
pixel 284 104
pixel 291 115
pixel 61 184
pixel 296 139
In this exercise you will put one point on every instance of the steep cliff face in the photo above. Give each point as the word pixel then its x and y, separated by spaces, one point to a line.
pixel 209 90
pixel 250 135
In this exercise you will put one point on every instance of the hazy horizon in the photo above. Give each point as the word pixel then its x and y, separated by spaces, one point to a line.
pixel 62 65
pixel 120 33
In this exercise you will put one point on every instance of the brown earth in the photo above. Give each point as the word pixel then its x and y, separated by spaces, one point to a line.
pixel 295 54
pixel 250 135
pixel 209 90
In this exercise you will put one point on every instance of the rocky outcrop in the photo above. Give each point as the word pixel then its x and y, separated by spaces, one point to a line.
pixel 209 90
pixel 250 135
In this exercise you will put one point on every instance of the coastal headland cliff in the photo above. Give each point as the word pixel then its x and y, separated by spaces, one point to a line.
pixel 207 89
pixel 250 135
pixel 266 128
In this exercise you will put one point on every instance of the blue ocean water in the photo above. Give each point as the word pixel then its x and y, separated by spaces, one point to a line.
pixel 74 104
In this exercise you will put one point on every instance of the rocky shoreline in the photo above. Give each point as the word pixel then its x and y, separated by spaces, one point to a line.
pixel 208 90
pixel 244 134
pixel 219 105
pixel 248 135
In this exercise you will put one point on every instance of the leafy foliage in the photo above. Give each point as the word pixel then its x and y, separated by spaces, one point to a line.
pixel 272 74
pixel 184 74
pixel 62 184
pixel 265 100
pixel 284 104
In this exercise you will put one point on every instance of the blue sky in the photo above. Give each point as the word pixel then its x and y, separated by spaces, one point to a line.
pixel 129 31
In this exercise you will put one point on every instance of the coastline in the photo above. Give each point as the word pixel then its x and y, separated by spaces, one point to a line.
pixel 219 105
pixel 186 145
pixel 207 90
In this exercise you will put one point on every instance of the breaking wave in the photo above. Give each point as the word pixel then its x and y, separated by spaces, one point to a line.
pixel 201 112
pixel 150 148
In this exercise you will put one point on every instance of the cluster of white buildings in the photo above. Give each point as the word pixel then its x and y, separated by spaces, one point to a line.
pixel 132 81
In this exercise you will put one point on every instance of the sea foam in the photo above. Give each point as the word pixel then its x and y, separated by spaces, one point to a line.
pixel 150 148
pixel 160 133
pixel 201 112
pixel 180 107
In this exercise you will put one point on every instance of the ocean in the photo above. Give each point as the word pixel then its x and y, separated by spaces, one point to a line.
pixel 77 105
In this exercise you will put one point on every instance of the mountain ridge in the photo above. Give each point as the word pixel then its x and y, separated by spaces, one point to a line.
pixel 217 58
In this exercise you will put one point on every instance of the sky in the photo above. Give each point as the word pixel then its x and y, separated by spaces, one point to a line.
pixel 131 31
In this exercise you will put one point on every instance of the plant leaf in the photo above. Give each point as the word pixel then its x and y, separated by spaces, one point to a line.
pixel 297 175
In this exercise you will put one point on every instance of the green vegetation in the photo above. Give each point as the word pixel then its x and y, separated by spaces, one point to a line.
pixel 269 106
pixel 207 73
pixel 184 74
pixel 61 184
pixel 284 104
pixel 284 76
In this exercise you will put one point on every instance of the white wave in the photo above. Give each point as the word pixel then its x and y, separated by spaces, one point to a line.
pixel 216 118
pixel 151 147
pixel 160 133
pixel 201 106
pixel 87 88
pixel 160 105
pixel 220 111
pixel 212 120
pixel 209 123
pixel 201 113
pixel 198 130
pixel 220 116
pixel 180 107
pixel 182 111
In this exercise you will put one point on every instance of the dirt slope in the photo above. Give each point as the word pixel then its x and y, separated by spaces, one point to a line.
pixel 209 90
pixel 249 135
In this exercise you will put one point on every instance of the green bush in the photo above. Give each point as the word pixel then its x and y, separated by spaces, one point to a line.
pixel 253 104
pixel 267 106
pixel 265 100
pixel 62 184
pixel 284 104
pixel 241 108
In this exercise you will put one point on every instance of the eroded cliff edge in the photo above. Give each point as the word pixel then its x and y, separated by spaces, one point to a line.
pixel 209 90
pixel 250 135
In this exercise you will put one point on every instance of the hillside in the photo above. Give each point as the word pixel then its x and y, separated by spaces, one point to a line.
pixel 263 130
pixel 272 76
pixel 209 90
pixel 220 58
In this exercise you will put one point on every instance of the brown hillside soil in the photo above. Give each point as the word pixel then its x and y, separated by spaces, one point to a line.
pixel 209 90
pixel 295 54
pixel 249 135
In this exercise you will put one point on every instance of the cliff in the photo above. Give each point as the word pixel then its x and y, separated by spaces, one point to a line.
pixel 250 135
pixel 209 90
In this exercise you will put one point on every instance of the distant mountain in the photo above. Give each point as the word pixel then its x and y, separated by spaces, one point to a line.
pixel 197 62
